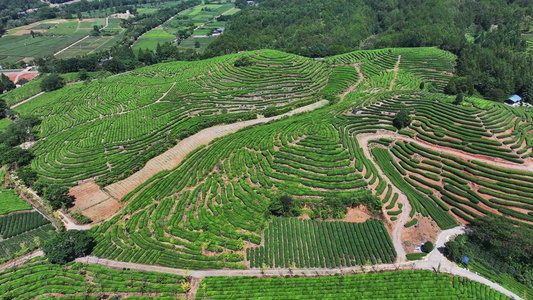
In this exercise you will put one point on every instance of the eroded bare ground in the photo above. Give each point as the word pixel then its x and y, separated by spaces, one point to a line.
pixel 94 202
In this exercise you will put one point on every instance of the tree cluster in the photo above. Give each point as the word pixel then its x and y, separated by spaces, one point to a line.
pixel 336 207
pixel 67 246
pixel 494 62
pixel 52 82
pixel 5 84
pixel 497 245
pixel 284 206
pixel 402 118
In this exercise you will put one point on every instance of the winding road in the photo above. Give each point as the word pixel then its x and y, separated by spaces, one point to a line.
pixel 437 262
pixel 434 261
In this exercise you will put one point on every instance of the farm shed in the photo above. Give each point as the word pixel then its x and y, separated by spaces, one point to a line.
pixel 513 100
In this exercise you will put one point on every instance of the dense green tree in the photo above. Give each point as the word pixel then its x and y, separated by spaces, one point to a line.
pixel 6 84
pixel 27 175
pixel 52 82
pixel 114 65
pixel 458 99
pixel 19 131
pixel 67 246
pixel 497 245
pixel 428 246
pixel 527 95
pixel 284 206
pixel 58 196
pixel 39 186
pixel 83 75
pixel 243 61
pixel 459 85
pixel 402 118
pixel 14 156
pixel 3 108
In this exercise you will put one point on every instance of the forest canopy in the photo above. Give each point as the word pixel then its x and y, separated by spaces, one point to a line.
pixel 486 35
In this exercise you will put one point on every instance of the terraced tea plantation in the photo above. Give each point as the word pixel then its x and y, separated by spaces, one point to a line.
pixel 42 279
pixel 295 242
pixel 388 285
pixel 203 213
pixel 110 129
pixel 452 164
pixel 21 232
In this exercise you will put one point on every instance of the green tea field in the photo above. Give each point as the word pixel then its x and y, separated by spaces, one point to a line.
pixel 179 169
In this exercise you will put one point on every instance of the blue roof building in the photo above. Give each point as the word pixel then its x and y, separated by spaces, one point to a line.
pixel 514 100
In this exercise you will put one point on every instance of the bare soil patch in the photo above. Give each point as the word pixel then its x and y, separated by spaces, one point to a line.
pixel 425 230
pixel 93 202
pixel 27 31
pixel 357 214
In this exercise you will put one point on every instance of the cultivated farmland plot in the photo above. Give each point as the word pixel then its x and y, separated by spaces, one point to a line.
pixel 112 128
pixel 212 210
pixel 53 35
pixel 393 285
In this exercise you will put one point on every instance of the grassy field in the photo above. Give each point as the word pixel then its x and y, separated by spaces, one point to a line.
pixel 4 123
pixel 150 43
pixel 10 201
pixel 58 35
pixel 90 44
pixel 153 37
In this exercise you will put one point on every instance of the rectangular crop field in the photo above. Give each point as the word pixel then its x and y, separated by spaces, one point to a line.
pixel 23 231
pixel 151 43
pixel 189 43
pixel 26 240
pixel 232 12
pixel 158 32
pixel 309 244
pixel 88 45
pixel 388 285
pixel 15 48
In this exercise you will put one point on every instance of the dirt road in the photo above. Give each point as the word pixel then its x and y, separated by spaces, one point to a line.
pixel 173 157
pixel 526 166
pixel 404 216
pixel 432 262
pixel 396 69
